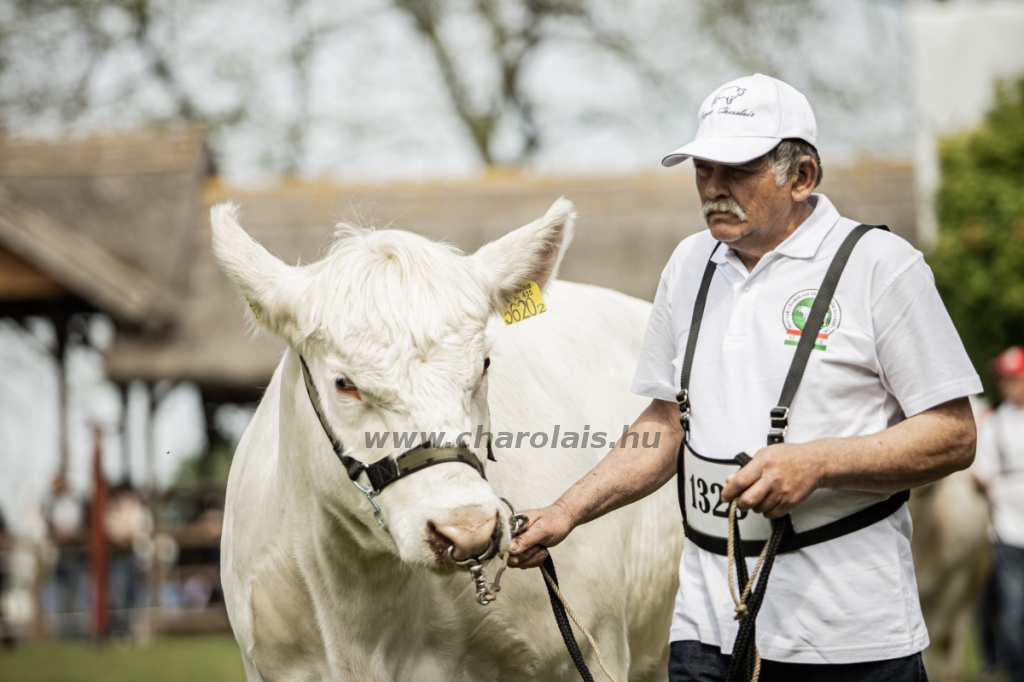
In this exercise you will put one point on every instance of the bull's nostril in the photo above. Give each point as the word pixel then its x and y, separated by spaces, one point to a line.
pixel 469 534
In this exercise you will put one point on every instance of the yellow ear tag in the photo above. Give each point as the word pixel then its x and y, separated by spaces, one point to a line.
pixel 255 311
pixel 525 304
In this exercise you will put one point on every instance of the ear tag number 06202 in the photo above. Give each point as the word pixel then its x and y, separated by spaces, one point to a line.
pixel 526 303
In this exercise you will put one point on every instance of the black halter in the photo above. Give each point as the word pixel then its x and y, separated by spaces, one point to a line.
pixel 387 470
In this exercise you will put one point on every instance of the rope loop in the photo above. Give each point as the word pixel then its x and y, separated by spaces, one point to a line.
pixel 744 607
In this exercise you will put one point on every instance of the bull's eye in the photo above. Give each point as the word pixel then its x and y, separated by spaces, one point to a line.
pixel 345 385
pixel 487 363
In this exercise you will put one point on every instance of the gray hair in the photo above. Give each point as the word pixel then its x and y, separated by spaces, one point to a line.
pixel 785 159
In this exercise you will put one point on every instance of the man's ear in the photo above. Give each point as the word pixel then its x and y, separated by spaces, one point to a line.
pixel 804 180
pixel 270 287
pixel 530 254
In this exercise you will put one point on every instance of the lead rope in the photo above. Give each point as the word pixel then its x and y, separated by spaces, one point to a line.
pixel 745 662
pixel 741 600
pixel 563 612
pixel 563 625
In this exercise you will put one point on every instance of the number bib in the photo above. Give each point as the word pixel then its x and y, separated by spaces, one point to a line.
pixel 706 511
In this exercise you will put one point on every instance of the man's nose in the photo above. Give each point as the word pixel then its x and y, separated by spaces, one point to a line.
pixel 717 187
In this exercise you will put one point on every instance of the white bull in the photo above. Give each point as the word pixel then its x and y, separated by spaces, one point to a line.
pixel 395 329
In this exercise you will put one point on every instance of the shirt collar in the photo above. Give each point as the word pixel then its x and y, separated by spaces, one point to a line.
pixel 807 238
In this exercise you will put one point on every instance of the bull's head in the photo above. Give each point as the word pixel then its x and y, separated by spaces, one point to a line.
pixel 393 329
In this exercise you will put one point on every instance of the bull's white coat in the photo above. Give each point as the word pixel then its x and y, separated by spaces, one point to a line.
pixel 315 589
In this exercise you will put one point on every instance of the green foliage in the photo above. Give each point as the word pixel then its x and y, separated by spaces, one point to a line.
pixel 979 263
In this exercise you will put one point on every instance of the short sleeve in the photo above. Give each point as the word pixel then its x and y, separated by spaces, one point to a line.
pixel 654 374
pixel 922 361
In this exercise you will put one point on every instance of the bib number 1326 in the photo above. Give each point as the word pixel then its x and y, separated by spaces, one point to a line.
pixel 701 495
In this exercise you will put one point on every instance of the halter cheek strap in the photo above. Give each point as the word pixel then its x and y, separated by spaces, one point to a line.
pixel 387 470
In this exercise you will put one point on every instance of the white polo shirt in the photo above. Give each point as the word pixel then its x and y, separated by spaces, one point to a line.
pixel 888 349
pixel 999 464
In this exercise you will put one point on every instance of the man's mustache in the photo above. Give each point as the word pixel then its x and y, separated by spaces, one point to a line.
pixel 727 205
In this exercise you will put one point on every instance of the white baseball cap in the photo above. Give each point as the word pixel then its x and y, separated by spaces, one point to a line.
pixel 746 118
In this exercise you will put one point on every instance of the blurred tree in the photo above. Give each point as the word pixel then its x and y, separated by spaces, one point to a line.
pixel 518 30
pixel 424 87
pixel 78 38
pixel 93 29
pixel 979 263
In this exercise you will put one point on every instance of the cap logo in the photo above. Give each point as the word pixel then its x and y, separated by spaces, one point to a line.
pixel 728 94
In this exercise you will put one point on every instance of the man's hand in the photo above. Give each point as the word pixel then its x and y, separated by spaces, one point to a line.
pixel 545 528
pixel 778 478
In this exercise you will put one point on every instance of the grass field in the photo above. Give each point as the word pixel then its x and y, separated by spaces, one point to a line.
pixel 179 659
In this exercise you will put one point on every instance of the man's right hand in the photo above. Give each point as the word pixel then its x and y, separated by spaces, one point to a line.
pixel 545 528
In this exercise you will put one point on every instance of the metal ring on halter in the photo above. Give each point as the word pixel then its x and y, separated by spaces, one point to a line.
pixel 516 521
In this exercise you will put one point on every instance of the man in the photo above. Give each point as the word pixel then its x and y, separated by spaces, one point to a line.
pixel 881 408
pixel 999 473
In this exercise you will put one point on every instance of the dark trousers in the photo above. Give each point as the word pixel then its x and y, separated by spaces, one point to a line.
pixel 1007 584
pixel 695 662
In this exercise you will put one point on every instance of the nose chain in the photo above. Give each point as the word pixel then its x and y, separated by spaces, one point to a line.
pixel 485 593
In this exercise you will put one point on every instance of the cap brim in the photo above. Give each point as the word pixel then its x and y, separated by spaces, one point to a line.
pixel 730 150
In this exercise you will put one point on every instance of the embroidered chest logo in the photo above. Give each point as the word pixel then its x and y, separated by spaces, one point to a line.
pixel 798 309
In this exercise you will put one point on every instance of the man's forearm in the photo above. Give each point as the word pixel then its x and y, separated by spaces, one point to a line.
pixel 629 473
pixel 917 451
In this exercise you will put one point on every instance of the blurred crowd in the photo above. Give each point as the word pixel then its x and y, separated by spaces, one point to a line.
pixel 155 571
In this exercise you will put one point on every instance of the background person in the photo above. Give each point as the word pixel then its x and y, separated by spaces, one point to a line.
pixel 999 473
pixel 882 406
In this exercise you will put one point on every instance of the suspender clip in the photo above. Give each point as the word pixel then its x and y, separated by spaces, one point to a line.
pixel 780 424
pixel 683 398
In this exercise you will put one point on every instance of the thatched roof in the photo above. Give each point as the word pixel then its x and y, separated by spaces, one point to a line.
pixel 109 219
pixel 626 231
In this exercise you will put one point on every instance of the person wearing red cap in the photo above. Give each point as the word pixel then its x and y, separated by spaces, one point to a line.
pixel 999 472
pixel 784 319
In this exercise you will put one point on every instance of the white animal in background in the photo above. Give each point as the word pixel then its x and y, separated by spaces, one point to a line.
pixel 395 329
pixel 951 559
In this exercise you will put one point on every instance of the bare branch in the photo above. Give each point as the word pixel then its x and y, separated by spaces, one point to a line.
pixel 426 15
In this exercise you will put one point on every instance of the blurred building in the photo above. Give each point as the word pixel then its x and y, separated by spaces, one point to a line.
pixel 627 228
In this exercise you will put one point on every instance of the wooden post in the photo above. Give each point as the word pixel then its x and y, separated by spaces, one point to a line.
pixel 98 537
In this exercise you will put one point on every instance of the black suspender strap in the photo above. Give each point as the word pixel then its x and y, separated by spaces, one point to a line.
pixel 683 397
pixel 809 334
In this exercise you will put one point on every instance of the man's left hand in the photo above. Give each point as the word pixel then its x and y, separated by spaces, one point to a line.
pixel 778 478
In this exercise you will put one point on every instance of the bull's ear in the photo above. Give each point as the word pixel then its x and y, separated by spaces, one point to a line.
pixel 530 254
pixel 271 288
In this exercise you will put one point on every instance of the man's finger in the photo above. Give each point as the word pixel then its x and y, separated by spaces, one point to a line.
pixel 741 480
pixel 768 502
pixel 535 557
pixel 778 511
pixel 753 495
pixel 526 535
